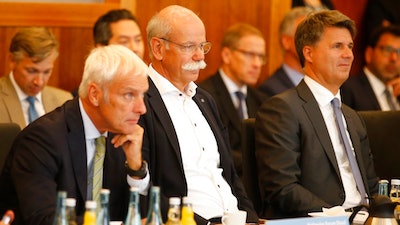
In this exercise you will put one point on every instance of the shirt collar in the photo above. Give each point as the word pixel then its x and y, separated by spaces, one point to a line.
pixel 377 85
pixel 164 86
pixel 230 85
pixel 322 95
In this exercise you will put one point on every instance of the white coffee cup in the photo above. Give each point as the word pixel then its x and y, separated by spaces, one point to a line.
pixel 234 218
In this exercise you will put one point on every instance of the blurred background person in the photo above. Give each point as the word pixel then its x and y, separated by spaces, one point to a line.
pixel 378 85
pixel 291 72
pixel 24 93
pixel 243 55
pixel 118 26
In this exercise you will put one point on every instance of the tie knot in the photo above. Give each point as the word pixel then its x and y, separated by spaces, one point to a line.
pixel 336 103
pixel 100 144
pixel 240 95
pixel 31 100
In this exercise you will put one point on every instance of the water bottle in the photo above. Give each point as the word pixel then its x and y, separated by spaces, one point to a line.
pixel 60 215
pixel 133 217
pixel 70 204
pixel 154 212
pixel 383 188
pixel 103 216
pixel 174 211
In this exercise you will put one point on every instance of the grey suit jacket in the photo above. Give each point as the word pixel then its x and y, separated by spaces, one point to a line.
pixel 50 155
pixel 216 87
pixel 298 171
pixel 10 105
pixel 162 152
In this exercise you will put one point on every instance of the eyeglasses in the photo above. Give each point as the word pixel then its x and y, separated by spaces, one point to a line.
pixel 251 55
pixel 191 48
pixel 387 50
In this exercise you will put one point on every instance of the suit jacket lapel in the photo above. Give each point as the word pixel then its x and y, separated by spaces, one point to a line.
pixel 224 97
pixel 315 116
pixel 12 102
pixel 77 143
pixel 160 111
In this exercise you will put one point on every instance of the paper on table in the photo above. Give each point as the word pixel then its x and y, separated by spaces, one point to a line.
pixel 360 218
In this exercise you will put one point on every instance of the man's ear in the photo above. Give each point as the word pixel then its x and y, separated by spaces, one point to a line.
pixel 157 48
pixel 12 61
pixel 307 52
pixel 226 55
pixel 94 94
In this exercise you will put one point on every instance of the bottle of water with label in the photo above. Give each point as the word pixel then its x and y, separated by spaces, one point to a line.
pixel 154 212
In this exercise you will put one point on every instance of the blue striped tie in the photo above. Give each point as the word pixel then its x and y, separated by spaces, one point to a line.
pixel 33 115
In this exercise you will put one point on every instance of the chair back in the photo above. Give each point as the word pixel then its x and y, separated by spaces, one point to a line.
pixel 250 171
pixel 383 128
pixel 8 132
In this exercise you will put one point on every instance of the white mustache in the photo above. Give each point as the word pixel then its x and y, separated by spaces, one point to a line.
pixel 194 65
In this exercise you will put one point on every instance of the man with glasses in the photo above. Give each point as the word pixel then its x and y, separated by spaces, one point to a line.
pixel 185 143
pixel 243 55
pixel 378 86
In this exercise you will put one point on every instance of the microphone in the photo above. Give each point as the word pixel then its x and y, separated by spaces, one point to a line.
pixel 8 217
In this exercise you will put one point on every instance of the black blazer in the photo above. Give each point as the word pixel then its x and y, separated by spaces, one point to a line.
pixel 278 82
pixel 216 87
pixel 161 150
pixel 50 155
pixel 357 93
pixel 298 171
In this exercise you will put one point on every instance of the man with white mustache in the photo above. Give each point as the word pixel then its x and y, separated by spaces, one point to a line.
pixel 185 143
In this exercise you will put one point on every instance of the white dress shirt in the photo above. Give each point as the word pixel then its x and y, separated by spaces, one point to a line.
pixel 210 193
pixel 324 98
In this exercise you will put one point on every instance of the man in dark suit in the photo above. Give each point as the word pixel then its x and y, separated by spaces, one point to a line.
pixel 56 152
pixel 290 73
pixel 185 142
pixel 378 86
pixel 243 54
pixel 302 159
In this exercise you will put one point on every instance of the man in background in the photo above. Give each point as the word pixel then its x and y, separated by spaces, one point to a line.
pixel 185 142
pixel 290 73
pixel 24 94
pixel 378 86
pixel 120 27
pixel 243 55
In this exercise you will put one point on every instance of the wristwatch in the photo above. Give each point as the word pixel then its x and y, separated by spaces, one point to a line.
pixel 141 173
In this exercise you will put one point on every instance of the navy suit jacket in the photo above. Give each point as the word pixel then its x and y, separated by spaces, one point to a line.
pixel 162 152
pixel 278 82
pixel 50 155
pixel 298 171
pixel 216 87
pixel 357 93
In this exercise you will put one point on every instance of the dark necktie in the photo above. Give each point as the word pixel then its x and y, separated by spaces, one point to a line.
pixel 33 115
pixel 389 99
pixel 349 151
pixel 241 99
